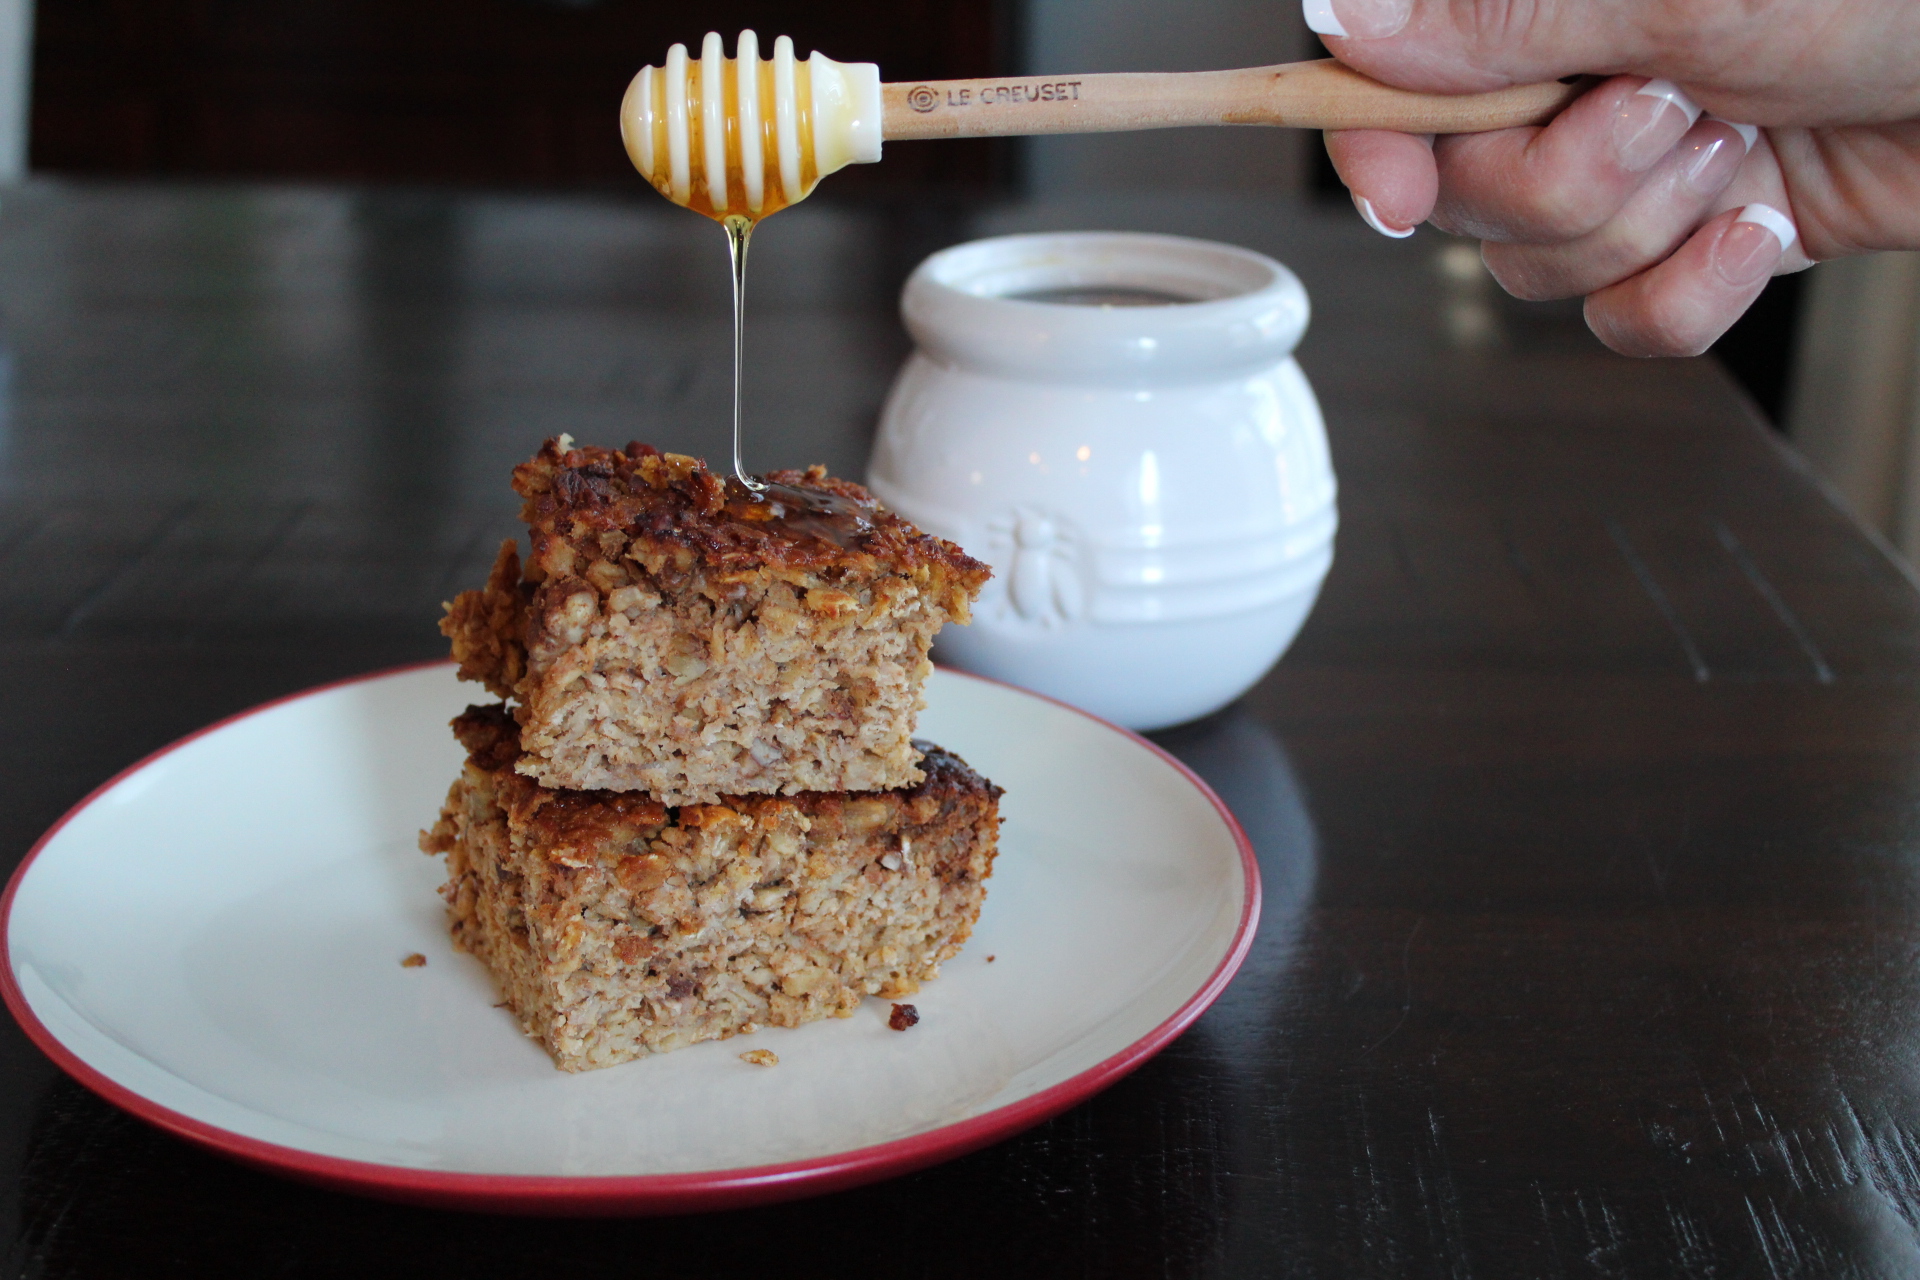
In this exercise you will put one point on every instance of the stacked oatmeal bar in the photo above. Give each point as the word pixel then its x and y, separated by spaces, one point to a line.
pixel 700 808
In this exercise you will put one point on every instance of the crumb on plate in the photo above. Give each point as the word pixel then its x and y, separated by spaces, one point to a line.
pixel 903 1016
pixel 761 1057
pixel 414 961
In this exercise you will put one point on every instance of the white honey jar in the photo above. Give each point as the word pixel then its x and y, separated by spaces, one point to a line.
pixel 1117 424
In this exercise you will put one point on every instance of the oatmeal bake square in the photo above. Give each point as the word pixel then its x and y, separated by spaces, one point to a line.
pixel 617 927
pixel 676 633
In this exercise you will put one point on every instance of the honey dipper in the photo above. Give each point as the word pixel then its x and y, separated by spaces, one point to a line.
pixel 777 126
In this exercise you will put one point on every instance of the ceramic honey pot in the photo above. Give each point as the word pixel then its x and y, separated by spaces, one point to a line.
pixel 1117 424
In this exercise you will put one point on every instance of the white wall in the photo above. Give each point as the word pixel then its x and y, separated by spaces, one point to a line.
pixel 16 78
pixel 1064 36
pixel 1856 388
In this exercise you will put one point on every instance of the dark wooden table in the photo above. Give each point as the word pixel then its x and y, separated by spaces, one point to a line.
pixel 1589 801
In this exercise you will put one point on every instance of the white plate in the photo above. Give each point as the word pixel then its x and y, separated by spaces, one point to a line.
pixel 213 941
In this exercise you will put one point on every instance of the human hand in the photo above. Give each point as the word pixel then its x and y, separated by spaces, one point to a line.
pixel 1669 222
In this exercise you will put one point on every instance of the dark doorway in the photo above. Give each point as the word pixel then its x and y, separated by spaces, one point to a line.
pixel 474 92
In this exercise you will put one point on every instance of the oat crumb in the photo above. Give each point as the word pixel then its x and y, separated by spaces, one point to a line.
pixel 414 961
pixel 904 1016
pixel 761 1057
pixel 991 959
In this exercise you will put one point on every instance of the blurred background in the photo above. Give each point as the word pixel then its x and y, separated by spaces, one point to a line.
pixel 517 95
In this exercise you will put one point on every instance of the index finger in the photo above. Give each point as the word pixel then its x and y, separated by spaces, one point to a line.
pixel 1552 184
pixel 1442 47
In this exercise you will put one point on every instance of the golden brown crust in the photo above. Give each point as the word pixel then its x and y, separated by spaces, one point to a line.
pixel 486 626
pixel 491 738
pixel 669 512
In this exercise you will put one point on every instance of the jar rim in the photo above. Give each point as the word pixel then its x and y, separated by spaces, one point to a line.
pixel 1194 272
pixel 1238 310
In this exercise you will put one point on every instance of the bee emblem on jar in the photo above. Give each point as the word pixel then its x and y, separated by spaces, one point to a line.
pixel 1037 555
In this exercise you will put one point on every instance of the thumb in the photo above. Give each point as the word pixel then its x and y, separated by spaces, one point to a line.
pixel 1435 46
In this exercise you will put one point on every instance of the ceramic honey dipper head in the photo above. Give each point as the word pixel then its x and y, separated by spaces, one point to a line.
pixel 743 137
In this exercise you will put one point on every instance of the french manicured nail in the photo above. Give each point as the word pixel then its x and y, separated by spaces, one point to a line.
pixel 1650 122
pixel 1753 245
pixel 1713 163
pixel 1360 19
pixel 1365 206
pixel 1749 133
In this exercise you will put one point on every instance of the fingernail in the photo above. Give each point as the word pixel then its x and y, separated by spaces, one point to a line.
pixel 1365 206
pixel 1669 92
pixel 1646 127
pixel 1749 133
pixel 1713 164
pixel 1765 215
pixel 1753 245
pixel 1360 19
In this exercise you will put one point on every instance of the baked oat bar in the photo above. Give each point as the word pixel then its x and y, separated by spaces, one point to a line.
pixel 618 927
pixel 674 633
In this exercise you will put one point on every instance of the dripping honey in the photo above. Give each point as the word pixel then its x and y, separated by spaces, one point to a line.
pixel 736 214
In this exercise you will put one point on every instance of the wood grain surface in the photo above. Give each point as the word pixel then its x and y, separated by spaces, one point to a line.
pixel 1585 803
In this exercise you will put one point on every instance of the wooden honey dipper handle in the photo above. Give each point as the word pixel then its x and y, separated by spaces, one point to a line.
pixel 1306 95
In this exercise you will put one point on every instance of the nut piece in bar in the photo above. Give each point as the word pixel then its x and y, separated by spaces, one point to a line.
pixel 676 633
pixel 616 927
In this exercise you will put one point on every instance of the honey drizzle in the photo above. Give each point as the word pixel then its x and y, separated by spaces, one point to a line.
pixel 739 233
pixel 737 219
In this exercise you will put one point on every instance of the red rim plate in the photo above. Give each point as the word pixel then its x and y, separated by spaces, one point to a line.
pixel 648 1194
